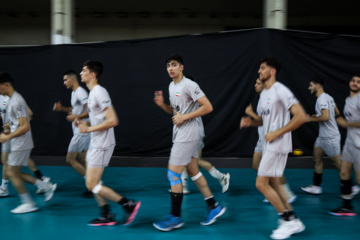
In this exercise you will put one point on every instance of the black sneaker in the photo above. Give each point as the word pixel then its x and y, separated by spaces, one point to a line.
pixel 103 221
pixel 341 211
pixel 88 194
pixel 131 210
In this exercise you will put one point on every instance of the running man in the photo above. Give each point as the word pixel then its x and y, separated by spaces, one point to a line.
pixel 187 104
pixel 259 86
pixel 329 137
pixel 350 158
pixel 79 143
pixel 103 119
pixel 19 133
pixel 275 105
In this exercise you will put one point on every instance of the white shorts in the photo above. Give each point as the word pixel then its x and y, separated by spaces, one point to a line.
pixel 79 143
pixel 331 146
pixel 182 152
pixel 5 147
pixel 19 158
pixel 272 164
pixel 351 154
pixel 99 157
pixel 259 146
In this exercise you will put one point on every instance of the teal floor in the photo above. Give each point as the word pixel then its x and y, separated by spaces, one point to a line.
pixel 66 215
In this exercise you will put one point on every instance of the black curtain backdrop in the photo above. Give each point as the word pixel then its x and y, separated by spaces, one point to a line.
pixel 224 64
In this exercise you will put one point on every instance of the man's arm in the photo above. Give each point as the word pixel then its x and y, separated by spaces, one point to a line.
pixel 23 128
pixel 345 124
pixel 205 108
pixel 111 120
pixel 246 122
pixel 299 118
pixel 250 112
pixel 159 100
pixel 325 116
pixel 60 108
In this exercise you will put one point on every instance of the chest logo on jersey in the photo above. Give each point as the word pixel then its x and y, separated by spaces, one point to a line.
pixel 4 103
pixel 266 112
pixel 177 94
pixel 268 101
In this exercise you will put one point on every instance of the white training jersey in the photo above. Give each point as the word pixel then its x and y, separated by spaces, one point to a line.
pixel 275 104
pixel 79 98
pixel 4 100
pixel 17 108
pixel 260 128
pixel 98 101
pixel 183 97
pixel 352 114
pixel 327 129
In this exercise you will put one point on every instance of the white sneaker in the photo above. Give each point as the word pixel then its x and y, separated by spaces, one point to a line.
pixel 186 191
pixel 225 181
pixel 287 228
pixel 4 193
pixel 291 199
pixel 49 193
pixel 25 208
pixel 355 190
pixel 44 179
pixel 312 189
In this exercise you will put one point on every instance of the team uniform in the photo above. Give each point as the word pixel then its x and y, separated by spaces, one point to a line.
pixel 259 144
pixel 351 149
pixel 102 143
pixel 329 136
pixel 274 106
pixel 4 100
pixel 187 136
pixel 80 141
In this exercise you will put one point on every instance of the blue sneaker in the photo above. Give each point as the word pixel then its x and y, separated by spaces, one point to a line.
pixel 213 214
pixel 169 223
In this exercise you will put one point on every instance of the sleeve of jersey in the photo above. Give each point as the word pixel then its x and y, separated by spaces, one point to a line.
pixel 194 91
pixel 20 110
pixel 103 98
pixel 83 97
pixel 323 103
pixel 289 98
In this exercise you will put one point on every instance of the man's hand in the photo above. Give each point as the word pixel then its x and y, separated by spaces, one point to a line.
pixel 83 126
pixel 245 122
pixel 159 98
pixel 342 122
pixel 57 106
pixel 271 136
pixel 6 128
pixel 4 138
pixel 71 117
pixel 178 118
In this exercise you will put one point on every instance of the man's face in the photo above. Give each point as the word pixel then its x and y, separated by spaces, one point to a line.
pixel 265 72
pixel 3 88
pixel 259 86
pixel 85 75
pixel 312 88
pixel 68 81
pixel 174 68
pixel 355 84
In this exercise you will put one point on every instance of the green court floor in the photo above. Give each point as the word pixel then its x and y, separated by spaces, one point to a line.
pixel 66 215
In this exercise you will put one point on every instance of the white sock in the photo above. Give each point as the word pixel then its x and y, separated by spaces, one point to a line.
pixel 41 184
pixel 4 184
pixel 216 174
pixel 25 198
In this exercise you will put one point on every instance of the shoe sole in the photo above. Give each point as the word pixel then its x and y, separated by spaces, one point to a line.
pixel 301 229
pixel 227 185
pixel 48 198
pixel 170 228
pixel 310 192
pixel 343 214
pixel 4 196
pixel 34 209
pixel 102 224
pixel 215 218
pixel 133 214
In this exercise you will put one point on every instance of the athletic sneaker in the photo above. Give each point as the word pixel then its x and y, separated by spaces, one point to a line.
pixel 213 214
pixel 171 222
pixel 88 194
pixel 291 198
pixel 4 193
pixel 225 181
pixel 355 190
pixel 341 211
pixel 287 228
pixel 312 189
pixel 24 208
pixel 44 179
pixel 130 216
pixel 103 221
pixel 49 193
pixel 186 191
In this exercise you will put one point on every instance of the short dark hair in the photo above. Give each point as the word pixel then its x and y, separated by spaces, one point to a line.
pixel 95 67
pixel 272 62
pixel 175 57
pixel 356 75
pixel 317 80
pixel 70 72
pixel 6 78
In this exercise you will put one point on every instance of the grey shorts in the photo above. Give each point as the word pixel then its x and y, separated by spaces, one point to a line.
pixel 99 157
pixel 5 147
pixel 182 152
pixel 259 146
pixel 331 146
pixel 272 164
pixel 19 158
pixel 79 143
pixel 351 154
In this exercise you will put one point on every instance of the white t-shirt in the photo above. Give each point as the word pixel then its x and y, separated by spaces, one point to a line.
pixel 17 108
pixel 327 129
pixel 4 100
pixel 260 128
pixel 352 114
pixel 275 104
pixel 78 99
pixel 183 97
pixel 98 101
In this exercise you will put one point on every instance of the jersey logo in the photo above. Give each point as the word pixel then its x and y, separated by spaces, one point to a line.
pixel 19 108
pixel 265 113
pixel 177 108
pixel 197 90
pixel 177 94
